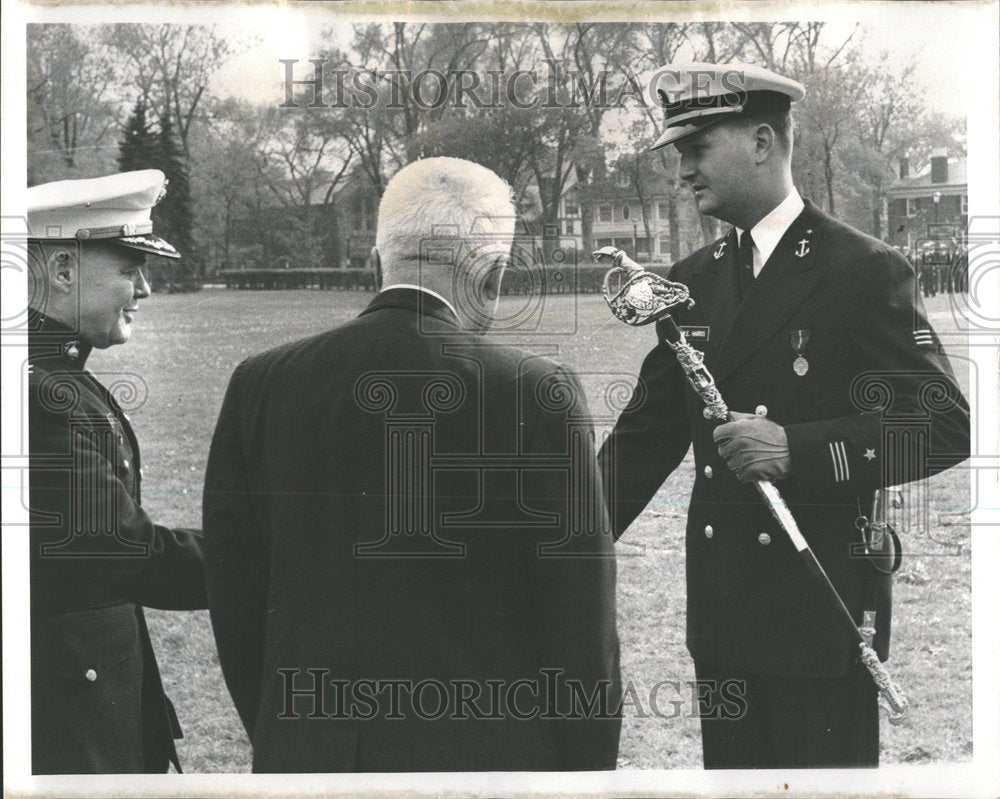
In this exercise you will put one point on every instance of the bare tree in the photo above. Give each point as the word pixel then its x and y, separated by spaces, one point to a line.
pixel 172 66
pixel 888 109
pixel 72 111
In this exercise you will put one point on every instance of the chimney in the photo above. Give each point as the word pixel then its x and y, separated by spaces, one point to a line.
pixel 904 167
pixel 939 165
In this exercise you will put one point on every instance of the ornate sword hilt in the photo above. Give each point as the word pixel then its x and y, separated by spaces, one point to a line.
pixel 636 296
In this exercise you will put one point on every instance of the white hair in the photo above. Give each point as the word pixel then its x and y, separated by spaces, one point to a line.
pixel 443 199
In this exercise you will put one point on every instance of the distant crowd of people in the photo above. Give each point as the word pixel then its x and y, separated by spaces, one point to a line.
pixel 940 270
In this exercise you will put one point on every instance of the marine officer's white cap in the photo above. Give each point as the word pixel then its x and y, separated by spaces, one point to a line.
pixel 696 94
pixel 115 208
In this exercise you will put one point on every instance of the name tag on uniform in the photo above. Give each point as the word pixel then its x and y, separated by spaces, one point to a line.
pixel 696 332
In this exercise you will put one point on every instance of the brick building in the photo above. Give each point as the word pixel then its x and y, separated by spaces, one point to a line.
pixel 931 205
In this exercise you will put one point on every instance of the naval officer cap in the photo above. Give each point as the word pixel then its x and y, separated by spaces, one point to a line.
pixel 695 95
pixel 115 208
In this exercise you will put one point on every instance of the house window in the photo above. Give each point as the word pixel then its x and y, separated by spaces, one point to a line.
pixel 662 211
pixel 604 213
pixel 626 211
pixel 664 245
pixel 605 243
pixel 568 227
pixel 965 204
pixel 911 206
pixel 623 179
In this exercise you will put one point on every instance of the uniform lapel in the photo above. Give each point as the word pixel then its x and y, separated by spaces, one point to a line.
pixel 714 288
pixel 787 279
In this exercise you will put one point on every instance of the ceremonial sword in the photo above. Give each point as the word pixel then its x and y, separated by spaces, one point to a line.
pixel 638 297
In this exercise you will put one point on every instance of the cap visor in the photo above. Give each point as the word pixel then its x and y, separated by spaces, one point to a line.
pixel 676 132
pixel 149 243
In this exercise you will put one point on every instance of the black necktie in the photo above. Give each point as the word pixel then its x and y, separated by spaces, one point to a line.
pixel 745 261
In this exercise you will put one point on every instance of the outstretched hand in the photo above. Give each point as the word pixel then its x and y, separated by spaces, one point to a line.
pixel 754 448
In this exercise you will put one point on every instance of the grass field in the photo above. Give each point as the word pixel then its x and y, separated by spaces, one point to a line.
pixel 185 348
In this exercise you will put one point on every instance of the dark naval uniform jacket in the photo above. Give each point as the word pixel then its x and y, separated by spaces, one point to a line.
pixel 98 705
pixel 400 502
pixel 877 406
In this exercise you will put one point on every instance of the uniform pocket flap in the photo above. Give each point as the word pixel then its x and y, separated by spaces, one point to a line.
pixel 82 646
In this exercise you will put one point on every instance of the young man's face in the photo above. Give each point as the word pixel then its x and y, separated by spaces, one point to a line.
pixel 111 285
pixel 718 164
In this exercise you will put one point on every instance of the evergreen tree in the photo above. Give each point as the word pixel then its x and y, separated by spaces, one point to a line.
pixel 142 148
pixel 139 149
pixel 173 214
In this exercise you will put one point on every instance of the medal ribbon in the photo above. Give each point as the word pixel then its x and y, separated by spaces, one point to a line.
pixel 799 340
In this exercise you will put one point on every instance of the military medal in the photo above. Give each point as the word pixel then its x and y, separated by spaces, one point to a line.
pixel 799 340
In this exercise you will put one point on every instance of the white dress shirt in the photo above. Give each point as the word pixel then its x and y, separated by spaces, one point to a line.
pixel 768 232
pixel 425 290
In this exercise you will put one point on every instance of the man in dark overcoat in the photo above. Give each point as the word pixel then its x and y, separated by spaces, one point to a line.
pixel 97 702
pixel 410 567
pixel 819 342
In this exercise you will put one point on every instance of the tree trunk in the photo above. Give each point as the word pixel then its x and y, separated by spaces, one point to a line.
pixel 674 220
pixel 227 235
pixel 828 174
pixel 550 235
pixel 650 244
pixel 586 211
pixel 877 212
pixel 587 227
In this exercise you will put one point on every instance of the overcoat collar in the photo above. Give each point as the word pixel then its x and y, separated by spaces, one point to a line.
pixel 49 338
pixel 412 300
pixel 787 278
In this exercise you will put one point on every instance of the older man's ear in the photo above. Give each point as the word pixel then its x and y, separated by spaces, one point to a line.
pixel 62 270
pixel 494 276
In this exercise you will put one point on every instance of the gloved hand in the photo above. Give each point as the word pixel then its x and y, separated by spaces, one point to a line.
pixel 754 448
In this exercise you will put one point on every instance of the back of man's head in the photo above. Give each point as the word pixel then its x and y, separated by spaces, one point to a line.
pixel 436 211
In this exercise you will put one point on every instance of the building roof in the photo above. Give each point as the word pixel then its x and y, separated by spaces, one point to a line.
pixel 920 184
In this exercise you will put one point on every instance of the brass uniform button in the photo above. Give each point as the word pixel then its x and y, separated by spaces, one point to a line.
pixel 91 675
pixel 708 472
pixel 764 539
pixel 709 531
pixel 761 410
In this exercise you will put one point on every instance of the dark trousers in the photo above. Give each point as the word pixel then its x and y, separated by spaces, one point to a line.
pixel 787 722
pixel 929 281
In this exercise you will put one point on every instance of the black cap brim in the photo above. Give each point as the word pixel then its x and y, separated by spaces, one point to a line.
pixel 678 132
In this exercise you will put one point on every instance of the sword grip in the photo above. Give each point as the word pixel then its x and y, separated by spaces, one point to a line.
pixel 669 330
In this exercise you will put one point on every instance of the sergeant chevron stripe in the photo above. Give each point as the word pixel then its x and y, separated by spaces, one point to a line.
pixel 841 469
pixel 923 337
